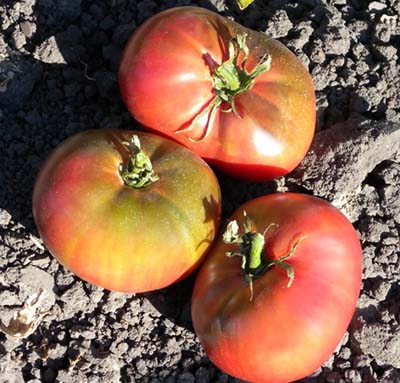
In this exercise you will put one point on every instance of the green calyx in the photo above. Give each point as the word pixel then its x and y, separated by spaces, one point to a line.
pixel 242 4
pixel 230 79
pixel 252 250
pixel 138 171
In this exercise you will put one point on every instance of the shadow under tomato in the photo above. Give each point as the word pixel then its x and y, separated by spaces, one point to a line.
pixel 210 207
pixel 173 302
pixel 248 172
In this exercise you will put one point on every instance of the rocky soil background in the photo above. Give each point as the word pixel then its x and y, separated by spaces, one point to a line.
pixel 58 66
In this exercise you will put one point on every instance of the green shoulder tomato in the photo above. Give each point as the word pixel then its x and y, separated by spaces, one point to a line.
pixel 126 214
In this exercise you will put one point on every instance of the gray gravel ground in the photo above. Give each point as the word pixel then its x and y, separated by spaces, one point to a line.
pixel 58 66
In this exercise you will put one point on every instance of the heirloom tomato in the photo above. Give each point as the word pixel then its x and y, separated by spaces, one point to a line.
pixel 278 290
pixel 127 211
pixel 239 99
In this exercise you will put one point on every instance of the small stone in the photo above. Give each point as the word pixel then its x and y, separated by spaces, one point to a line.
pixel 72 90
pixel 385 53
pixel 186 377
pixel 119 348
pixel 49 375
pixel 28 28
pixel 390 376
pixel 361 67
pixel 78 376
pixel 345 353
pixel 359 51
pixel 71 36
pixel 18 38
pixel 336 39
pixel 33 279
pixel 49 53
pixel 372 229
pixel 5 217
pixel 107 23
pixel 112 53
pixel 18 76
pixel 114 302
pixel 106 83
pixel 222 378
pixel 202 375
pixel 353 376
pixel 390 239
pixel 387 254
pixel 381 290
pixel 380 341
pixel 389 173
pixel 322 77
pixel 63 279
pixel 71 75
pixel 279 25
pixel 141 367
pixel 96 11
pixel 317 54
pixel 68 9
pixel 368 199
pixel 90 91
pixel 302 33
pixel 75 299
pixel 376 6
pixel 382 33
pixel 187 363
pixel 391 201
pixel 343 364
pixel 304 59
pixel 333 377
pixel 122 33
pixel 9 298
pixel 309 3
pixel 145 9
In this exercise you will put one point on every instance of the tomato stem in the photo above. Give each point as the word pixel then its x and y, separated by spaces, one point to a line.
pixel 230 79
pixel 252 250
pixel 138 172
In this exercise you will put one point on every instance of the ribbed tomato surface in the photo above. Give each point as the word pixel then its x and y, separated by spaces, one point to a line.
pixel 166 80
pixel 284 333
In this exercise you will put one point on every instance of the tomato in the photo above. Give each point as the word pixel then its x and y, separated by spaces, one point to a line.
pixel 275 313
pixel 122 217
pixel 185 74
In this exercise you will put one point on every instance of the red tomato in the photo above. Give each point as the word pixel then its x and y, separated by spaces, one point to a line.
pixel 121 237
pixel 293 322
pixel 176 79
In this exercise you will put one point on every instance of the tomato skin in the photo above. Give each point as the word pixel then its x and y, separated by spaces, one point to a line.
pixel 165 82
pixel 284 333
pixel 118 237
